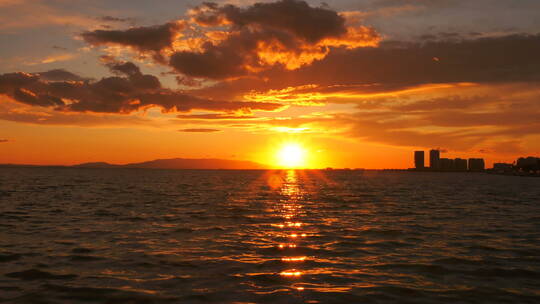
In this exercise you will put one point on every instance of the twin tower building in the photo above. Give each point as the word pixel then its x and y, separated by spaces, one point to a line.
pixel 436 163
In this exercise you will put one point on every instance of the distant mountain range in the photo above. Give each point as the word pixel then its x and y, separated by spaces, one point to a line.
pixel 173 163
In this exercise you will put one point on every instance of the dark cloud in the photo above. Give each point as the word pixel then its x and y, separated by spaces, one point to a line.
pixel 4 140
pixel 56 47
pixel 59 75
pixel 199 130
pixel 10 81
pixel 121 68
pixel 297 17
pixel 233 57
pixel 115 19
pixel 12 111
pixel 510 58
pixel 288 33
pixel 242 40
pixel 130 91
pixel 446 36
pixel 392 67
pixel 30 98
pixel 133 73
pixel 185 103
pixel 188 81
pixel 153 38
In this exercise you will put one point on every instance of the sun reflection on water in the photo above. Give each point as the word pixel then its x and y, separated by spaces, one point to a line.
pixel 294 259
pixel 289 209
pixel 291 273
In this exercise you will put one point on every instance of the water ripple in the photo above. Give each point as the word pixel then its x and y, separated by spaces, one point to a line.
pixel 165 236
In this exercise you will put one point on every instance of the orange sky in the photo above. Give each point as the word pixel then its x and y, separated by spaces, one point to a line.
pixel 347 83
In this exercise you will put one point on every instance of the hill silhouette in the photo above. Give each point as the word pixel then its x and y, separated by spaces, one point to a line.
pixel 181 163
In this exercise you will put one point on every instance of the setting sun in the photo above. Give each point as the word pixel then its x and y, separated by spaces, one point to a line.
pixel 291 155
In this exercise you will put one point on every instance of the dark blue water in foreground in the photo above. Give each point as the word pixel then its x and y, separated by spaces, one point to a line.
pixel 158 236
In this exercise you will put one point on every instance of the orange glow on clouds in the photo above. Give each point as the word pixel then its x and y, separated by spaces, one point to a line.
pixel 311 94
pixel 272 52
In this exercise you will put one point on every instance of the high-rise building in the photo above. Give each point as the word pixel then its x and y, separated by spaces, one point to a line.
pixel 434 157
pixel 419 159
pixel 476 164
pixel 503 167
pixel 460 164
pixel 446 164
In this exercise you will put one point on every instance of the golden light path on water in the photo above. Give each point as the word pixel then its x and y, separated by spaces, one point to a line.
pixel 290 211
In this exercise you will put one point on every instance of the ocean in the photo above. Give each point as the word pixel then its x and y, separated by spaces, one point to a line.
pixel 203 236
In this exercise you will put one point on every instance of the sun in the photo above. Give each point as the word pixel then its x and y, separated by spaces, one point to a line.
pixel 291 155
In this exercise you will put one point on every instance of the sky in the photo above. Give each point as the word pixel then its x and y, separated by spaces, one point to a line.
pixel 357 84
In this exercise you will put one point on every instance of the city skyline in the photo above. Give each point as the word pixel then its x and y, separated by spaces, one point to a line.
pixel 438 163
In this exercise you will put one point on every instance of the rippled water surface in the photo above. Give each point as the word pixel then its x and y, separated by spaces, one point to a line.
pixel 159 236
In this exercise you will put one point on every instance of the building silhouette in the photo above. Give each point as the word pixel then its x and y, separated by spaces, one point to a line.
pixel 446 164
pixel 503 167
pixel 460 164
pixel 476 164
pixel 434 157
pixel 436 163
pixel 528 164
pixel 419 159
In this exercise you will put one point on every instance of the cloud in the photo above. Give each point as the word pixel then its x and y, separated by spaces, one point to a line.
pixel 223 42
pixel 507 58
pixel 185 103
pixel 199 130
pixel 11 110
pixel 296 17
pixel 11 80
pixel 494 117
pixel 53 58
pixel 61 48
pixel 116 19
pixel 4 140
pixel 499 117
pixel 130 91
pixel 400 66
pixel 144 39
pixel 59 75
pixel 289 33
pixel 121 68
pixel 30 98
pixel 214 116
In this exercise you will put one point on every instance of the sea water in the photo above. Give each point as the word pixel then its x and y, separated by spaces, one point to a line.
pixel 188 236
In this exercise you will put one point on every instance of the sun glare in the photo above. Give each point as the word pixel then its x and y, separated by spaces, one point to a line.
pixel 291 155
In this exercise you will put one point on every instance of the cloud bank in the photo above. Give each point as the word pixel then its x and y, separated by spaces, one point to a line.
pixel 223 42
pixel 130 91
